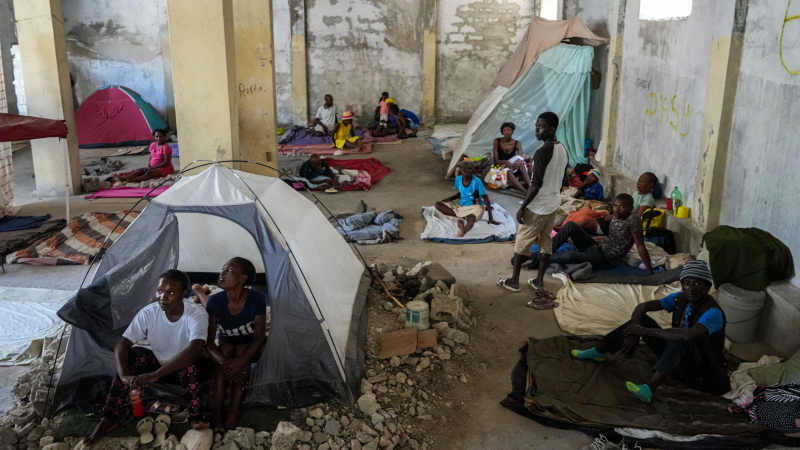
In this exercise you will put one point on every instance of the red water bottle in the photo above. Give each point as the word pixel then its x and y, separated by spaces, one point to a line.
pixel 136 400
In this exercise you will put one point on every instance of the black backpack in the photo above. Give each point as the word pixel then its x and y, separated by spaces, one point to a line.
pixel 661 237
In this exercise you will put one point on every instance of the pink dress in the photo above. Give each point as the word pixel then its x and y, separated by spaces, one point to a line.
pixel 157 157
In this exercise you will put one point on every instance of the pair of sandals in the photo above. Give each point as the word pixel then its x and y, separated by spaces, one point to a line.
pixel 154 432
pixel 542 300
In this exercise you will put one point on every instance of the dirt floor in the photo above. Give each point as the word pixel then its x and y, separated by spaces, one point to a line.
pixel 475 419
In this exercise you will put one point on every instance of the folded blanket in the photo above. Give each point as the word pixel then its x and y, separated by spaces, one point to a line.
pixel 12 223
pixel 443 229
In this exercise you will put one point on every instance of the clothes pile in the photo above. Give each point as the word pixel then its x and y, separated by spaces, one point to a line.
pixel 367 226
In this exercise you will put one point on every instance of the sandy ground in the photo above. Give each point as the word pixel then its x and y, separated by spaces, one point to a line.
pixel 476 421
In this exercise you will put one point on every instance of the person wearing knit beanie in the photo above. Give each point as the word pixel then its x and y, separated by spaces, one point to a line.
pixel 691 351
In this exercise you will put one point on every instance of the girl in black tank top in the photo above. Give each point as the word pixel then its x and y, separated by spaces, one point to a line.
pixel 518 175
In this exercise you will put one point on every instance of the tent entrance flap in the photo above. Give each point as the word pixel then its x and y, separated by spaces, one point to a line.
pixel 207 242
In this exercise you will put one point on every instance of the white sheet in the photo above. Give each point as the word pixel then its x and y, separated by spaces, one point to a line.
pixel 441 226
pixel 596 309
pixel 29 315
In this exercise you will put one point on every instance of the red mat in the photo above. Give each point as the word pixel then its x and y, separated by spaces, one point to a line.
pixel 374 167
pixel 127 192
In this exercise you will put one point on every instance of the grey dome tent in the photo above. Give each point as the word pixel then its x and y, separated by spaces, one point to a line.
pixel 316 285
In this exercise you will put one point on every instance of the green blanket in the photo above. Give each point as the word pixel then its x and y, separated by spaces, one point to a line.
pixel 748 258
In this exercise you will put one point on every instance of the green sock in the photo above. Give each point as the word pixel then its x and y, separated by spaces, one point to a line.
pixel 640 390
pixel 588 354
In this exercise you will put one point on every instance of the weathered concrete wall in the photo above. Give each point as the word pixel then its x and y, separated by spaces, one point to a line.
pixel 111 42
pixel 282 35
pixel 663 90
pixel 7 38
pixel 759 191
pixel 601 17
pixel 360 48
pixel 475 40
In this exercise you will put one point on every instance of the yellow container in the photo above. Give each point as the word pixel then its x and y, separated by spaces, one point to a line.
pixel 683 212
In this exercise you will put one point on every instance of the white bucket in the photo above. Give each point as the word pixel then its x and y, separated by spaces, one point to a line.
pixel 742 311
pixel 417 312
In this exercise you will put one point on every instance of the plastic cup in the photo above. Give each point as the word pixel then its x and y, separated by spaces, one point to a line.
pixel 669 204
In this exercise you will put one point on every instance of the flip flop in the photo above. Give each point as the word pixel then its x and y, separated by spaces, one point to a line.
pixel 533 285
pixel 161 429
pixel 145 430
pixel 158 407
pixel 331 190
pixel 542 305
pixel 502 283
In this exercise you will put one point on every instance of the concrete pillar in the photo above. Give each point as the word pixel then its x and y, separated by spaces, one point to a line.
pixel 204 79
pixel 611 99
pixel 166 58
pixel 723 78
pixel 431 7
pixel 40 31
pixel 255 73
pixel 297 16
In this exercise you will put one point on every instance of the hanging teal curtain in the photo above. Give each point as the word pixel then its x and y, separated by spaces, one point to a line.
pixel 557 82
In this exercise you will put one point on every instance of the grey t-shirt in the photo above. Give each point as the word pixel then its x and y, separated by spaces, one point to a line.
pixel 620 238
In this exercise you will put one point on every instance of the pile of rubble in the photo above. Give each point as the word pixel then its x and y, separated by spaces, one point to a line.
pixel 23 427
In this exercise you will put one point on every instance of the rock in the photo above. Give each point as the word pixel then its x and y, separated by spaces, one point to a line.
pixel 319 422
pixel 368 403
pixel 442 288
pixel 261 437
pixel 425 417
pixel 463 326
pixel 132 443
pixel 355 444
pixel 401 377
pixel 376 418
pixel 412 411
pixel 21 415
pixel 192 440
pixel 8 437
pixel 305 436
pixel 246 438
pixel 316 413
pixel 424 363
pixel 65 446
pixel 304 447
pixel 459 350
pixel 363 437
pixel 411 361
pixel 333 427
pixel 395 361
pixel 229 446
pixel 459 337
pixel 401 317
pixel 388 306
pixel 319 438
pixel 414 444
pixel 324 446
pixel 443 354
pixel 309 421
pixel 448 342
pixel 371 446
pixel 47 440
pixel 345 421
pixel 388 277
pixel 355 424
pixel 378 378
pixel 35 433
pixel 432 273
pixel 285 436
pixel 384 441
pixel 24 430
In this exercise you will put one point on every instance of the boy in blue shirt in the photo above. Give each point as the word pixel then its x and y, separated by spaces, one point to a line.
pixel 473 200
pixel 691 351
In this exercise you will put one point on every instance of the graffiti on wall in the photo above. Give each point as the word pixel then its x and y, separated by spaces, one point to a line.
pixel 672 111
pixel 786 19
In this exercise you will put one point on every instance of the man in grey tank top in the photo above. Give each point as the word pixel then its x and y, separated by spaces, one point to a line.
pixel 537 213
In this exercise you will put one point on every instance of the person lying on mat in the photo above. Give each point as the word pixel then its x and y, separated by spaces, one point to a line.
pixel 160 162
pixel 176 330
pixel 473 200
pixel 538 211
pixel 624 230
pixel 237 318
pixel 317 171
pixel 508 154
pixel 591 189
pixel 343 135
pixel 690 351
pixel 643 198
pixel 323 122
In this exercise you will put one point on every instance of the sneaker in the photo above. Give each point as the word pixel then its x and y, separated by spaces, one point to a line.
pixel 636 446
pixel 601 443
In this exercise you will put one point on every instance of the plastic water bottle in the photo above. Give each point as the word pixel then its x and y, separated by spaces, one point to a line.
pixel 677 199
pixel 136 401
